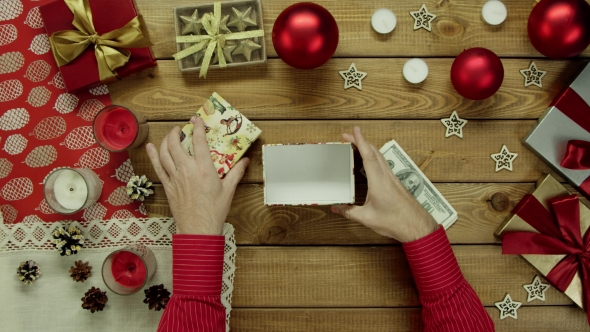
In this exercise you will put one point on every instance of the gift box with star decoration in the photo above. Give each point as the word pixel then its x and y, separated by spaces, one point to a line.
pixel 562 136
pixel 100 28
pixel 229 133
pixel 549 229
pixel 218 35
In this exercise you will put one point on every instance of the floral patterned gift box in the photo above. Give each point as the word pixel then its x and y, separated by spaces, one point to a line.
pixel 229 133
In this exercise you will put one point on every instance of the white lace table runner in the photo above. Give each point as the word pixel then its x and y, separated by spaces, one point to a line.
pixel 53 302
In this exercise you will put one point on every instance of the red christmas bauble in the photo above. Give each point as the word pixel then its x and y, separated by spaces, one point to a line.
pixel 477 73
pixel 305 35
pixel 560 28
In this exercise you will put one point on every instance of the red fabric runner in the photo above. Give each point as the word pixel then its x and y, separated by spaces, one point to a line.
pixel 559 235
pixel 42 127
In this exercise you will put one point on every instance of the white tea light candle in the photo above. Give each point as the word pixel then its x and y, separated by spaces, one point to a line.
pixel 70 189
pixel 383 20
pixel 415 71
pixel 494 12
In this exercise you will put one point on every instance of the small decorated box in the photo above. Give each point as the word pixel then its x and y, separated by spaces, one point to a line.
pixel 113 21
pixel 229 133
pixel 562 136
pixel 548 228
pixel 239 22
pixel 308 174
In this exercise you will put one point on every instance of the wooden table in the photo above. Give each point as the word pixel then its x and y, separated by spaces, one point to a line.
pixel 304 268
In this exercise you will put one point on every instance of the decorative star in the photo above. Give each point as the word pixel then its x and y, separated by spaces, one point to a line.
pixel 536 290
pixel 241 20
pixel 504 159
pixel 508 307
pixel 532 75
pixel 423 18
pixel 352 77
pixel 223 25
pixel 246 47
pixel 227 50
pixel 454 125
pixel 192 24
pixel 198 56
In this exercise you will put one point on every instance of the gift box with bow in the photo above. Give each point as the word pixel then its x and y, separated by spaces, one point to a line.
pixel 562 136
pixel 549 228
pixel 96 42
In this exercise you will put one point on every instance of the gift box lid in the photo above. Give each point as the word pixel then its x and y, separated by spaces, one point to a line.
pixel 308 174
pixel 107 15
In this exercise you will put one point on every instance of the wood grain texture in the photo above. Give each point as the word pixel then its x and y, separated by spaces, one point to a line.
pixel 257 224
pixel 458 26
pixel 537 319
pixel 277 91
pixel 368 277
pixel 442 160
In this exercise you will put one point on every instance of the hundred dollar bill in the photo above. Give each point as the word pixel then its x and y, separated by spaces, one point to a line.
pixel 418 184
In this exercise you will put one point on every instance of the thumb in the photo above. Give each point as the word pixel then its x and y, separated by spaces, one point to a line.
pixel 351 212
pixel 236 173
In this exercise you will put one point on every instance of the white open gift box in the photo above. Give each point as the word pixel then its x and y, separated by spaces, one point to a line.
pixel 308 174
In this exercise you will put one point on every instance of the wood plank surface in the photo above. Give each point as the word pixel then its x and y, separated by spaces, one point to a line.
pixel 530 319
pixel 458 26
pixel 368 277
pixel 442 160
pixel 277 91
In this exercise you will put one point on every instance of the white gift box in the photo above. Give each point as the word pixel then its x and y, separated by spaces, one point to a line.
pixel 308 174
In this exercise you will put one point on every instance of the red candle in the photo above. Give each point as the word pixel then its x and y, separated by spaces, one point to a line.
pixel 117 128
pixel 128 270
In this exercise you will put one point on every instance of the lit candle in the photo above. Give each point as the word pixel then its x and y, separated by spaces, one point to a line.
pixel 128 270
pixel 383 20
pixel 70 189
pixel 494 12
pixel 415 71
pixel 117 128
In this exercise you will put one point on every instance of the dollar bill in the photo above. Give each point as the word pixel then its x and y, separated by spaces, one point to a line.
pixel 418 184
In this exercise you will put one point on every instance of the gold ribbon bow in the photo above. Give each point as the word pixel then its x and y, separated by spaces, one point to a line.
pixel 212 41
pixel 109 48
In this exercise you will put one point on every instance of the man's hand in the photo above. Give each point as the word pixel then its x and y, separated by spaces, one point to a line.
pixel 390 209
pixel 199 200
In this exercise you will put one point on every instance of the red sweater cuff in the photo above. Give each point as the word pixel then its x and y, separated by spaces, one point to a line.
pixel 197 264
pixel 433 263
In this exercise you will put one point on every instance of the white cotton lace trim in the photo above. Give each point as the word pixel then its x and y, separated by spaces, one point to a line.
pixel 108 235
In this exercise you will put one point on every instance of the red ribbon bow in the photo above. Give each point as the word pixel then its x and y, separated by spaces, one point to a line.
pixel 559 235
pixel 577 155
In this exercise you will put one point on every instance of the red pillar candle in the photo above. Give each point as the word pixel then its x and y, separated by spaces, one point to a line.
pixel 128 269
pixel 117 128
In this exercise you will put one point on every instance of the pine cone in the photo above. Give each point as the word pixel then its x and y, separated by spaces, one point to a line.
pixel 68 241
pixel 80 271
pixel 28 272
pixel 138 188
pixel 94 300
pixel 156 297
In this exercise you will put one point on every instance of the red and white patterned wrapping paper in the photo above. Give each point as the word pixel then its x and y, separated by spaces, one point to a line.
pixel 42 127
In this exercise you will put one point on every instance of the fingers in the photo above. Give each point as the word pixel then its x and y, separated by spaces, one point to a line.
pixel 201 150
pixel 155 159
pixel 370 161
pixel 176 151
pixel 382 163
pixel 165 157
pixel 350 212
pixel 236 173
pixel 346 137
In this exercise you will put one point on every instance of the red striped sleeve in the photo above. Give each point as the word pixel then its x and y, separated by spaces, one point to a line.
pixel 448 301
pixel 197 272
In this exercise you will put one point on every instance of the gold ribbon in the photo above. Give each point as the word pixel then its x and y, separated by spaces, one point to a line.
pixel 212 41
pixel 109 48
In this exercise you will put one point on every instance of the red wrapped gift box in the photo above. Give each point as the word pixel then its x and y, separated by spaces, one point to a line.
pixel 107 15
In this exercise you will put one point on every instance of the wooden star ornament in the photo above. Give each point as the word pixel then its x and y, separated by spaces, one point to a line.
pixel 246 47
pixel 241 20
pixel 192 24
pixel 504 159
pixel 536 290
pixel 352 77
pixel 454 125
pixel 508 307
pixel 423 19
pixel 532 75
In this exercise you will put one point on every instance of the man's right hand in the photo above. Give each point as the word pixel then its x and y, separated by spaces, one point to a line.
pixel 389 209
